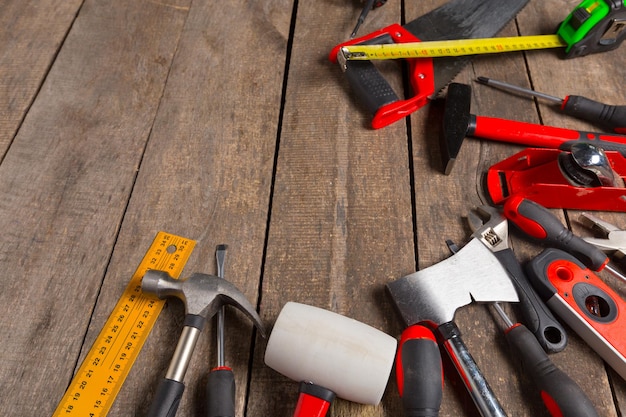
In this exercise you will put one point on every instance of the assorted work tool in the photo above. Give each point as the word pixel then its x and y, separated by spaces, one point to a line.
pixel 367 7
pixel 612 240
pixel 491 228
pixel 581 299
pixel 593 26
pixel 557 179
pixel 458 123
pixel 101 375
pixel 220 388
pixel 605 115
pixel 203 296
pixel 561 394
pixel 473 274
pixel 419 373
pixel 460 18
pixel 539 223
pixel 331 355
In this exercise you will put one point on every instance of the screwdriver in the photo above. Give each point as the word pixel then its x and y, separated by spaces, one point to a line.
pixel 539 223
pixel 220 388
pixel 560 394
pixel 608 116
pixel 369 5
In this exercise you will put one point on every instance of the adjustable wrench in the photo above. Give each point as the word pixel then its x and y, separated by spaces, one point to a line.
pixel 491 228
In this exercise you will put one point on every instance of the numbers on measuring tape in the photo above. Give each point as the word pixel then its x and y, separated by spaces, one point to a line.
pixel 104 369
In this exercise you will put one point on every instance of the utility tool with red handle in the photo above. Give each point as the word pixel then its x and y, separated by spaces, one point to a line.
pixel 605 115
pixel 539 175
pixel 419 373
pixel 561 394
pixel 539 223
pixel 432 295
pixel 458 123
pixel 457 19
pixel 581 299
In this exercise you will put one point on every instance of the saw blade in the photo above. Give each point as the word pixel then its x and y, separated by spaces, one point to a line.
pixel 462 19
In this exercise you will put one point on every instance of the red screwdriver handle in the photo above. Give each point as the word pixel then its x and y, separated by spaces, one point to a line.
pixel 419 373
pixel 539 223
pixel 561 395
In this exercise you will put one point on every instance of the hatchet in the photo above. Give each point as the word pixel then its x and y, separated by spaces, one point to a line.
pixel 433 295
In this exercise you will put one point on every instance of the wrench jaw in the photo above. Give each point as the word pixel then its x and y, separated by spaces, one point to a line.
pixel 490 227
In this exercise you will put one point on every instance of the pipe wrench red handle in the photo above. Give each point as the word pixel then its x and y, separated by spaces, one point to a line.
pixel 373 90
pixel 584 302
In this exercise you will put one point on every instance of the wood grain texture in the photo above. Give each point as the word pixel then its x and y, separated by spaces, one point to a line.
pixel 228 124
pixel 66 180
pixel 32 35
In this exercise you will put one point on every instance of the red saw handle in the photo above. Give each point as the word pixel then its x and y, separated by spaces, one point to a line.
pixel 373 90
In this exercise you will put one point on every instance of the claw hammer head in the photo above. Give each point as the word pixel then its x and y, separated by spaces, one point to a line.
pixel 202 294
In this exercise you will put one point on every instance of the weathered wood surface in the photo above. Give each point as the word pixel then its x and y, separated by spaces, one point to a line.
pixel 226 123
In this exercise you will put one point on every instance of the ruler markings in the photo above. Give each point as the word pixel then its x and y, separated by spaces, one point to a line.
pixel 104 369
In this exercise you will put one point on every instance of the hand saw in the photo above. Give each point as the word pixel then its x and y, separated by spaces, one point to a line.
pixel 457 19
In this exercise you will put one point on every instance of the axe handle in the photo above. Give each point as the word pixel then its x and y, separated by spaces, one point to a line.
pixel 474 381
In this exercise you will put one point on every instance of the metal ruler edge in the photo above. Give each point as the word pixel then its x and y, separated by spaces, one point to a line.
pixel 460 47
pixel 97 382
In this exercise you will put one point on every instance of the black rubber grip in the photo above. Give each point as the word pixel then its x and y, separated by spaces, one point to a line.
pixel 419 372
pixel 166 399
pixel 369 85
pixel 610 117
pixel 561 395
pixel 536 316
pixel 220 393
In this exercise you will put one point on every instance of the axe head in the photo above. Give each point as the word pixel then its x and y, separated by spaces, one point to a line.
pixel 434 294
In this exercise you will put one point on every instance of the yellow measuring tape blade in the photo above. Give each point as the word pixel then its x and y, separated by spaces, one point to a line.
pixel 103 371
pixel 433 49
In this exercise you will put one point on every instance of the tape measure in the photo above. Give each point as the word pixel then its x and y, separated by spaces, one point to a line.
pixel 434 49
pixel 103 371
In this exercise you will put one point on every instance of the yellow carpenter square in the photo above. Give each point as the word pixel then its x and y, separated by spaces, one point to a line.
pixel 460 47
pixel 101 375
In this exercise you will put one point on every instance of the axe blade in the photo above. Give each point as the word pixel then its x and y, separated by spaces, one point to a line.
pixel 435 293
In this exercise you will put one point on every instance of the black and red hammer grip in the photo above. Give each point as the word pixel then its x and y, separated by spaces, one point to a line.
pixel 539 223
pixel 419 373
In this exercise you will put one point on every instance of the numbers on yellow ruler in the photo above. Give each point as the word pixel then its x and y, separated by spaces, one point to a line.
pixel 433 49
pixel 103 371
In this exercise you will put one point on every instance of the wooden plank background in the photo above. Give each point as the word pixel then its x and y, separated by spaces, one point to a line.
pixel 226 123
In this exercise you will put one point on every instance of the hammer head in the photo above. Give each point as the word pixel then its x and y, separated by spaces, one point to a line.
pixel 434 294
pixel 343 355
pixel 456 120
pixel 202 294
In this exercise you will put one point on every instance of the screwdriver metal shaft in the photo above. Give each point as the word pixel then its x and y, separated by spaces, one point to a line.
pixel 220 388
pixel 605 115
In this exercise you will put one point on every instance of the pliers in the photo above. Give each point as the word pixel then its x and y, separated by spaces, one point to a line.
pixel 491 228
pixel 612 240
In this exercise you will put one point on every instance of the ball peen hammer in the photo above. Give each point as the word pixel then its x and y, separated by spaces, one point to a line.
pixel 203 295
pixel 433 295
